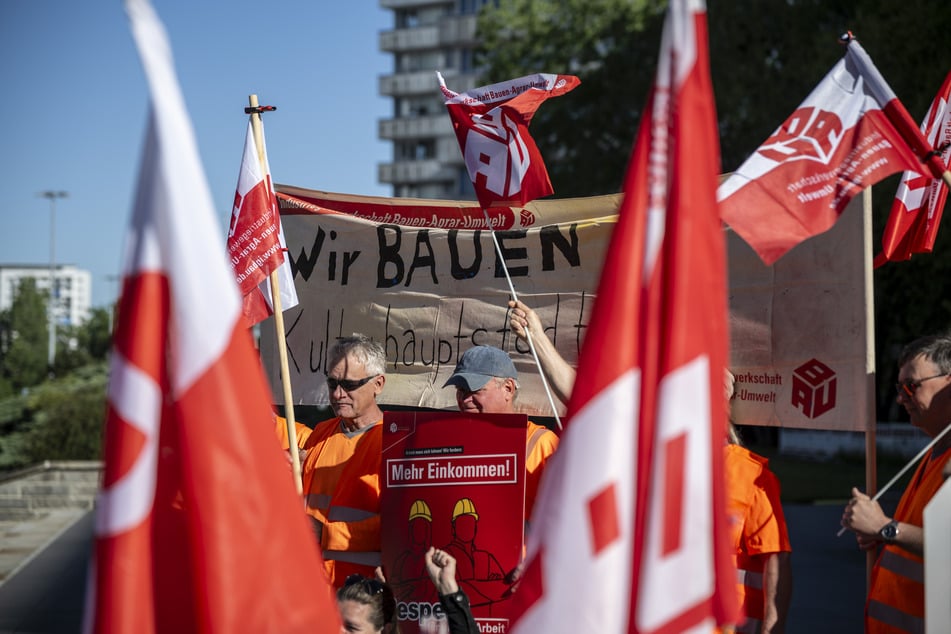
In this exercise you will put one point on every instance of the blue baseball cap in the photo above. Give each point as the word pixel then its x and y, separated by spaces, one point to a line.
pixel 479 364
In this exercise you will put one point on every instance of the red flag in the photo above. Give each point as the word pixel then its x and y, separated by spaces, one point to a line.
pixel 491 125
pixel 630 528
pixel 916 213
pixel 255 238
pixel 197 524
pixel 849 133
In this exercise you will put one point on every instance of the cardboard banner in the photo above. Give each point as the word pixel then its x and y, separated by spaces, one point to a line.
pixel 423 278
pixel 456 482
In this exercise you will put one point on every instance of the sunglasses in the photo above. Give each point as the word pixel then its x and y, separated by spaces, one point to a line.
pixel 910 387
pixel 348 385
pixel 370 586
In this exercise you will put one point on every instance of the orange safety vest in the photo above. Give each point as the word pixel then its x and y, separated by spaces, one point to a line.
pixel 757 526
pixel 540 444
pixel 896 599
pixel 341 481
pixel 280 428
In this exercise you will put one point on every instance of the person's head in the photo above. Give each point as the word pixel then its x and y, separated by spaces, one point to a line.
pixel 486 381
pixel 465 520
pixel 355 376
pixel 729 385
pixel 924 374
pixel 420 523
pixel 366 606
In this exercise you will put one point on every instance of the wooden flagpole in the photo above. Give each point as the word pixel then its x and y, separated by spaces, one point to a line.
pixel 279 321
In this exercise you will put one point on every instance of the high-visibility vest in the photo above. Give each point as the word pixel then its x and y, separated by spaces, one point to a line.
pixel 540 444
pixel 280 428
pixel 341 481
pixel 896 599
pixel 757 526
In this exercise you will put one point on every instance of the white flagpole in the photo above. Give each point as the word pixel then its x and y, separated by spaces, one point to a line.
pixel 528 334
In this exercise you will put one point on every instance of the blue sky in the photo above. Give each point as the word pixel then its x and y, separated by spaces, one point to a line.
pixel 77 104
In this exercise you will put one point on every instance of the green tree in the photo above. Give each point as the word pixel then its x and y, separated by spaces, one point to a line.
pixel 23 342
pixel 67 417
pixel 95 336
pixel 766 57
pixel 611 45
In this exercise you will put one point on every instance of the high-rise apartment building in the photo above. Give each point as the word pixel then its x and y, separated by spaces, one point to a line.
pixel 72 291
pixel 427 35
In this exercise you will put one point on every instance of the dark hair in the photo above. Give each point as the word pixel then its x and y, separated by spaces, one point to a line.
pixel 934 348
pixel 375 594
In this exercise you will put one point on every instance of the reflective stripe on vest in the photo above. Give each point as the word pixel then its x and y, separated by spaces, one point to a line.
pixel 318 500
pixel 895 617
pixel 749 579
pixel 907 568
pixel 366 558
pixel 533 440
pixel 348 514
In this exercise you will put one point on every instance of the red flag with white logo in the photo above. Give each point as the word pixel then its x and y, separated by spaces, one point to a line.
pixel 256 243
pixel 491 125
pixel 197 524
pixel 916 213
pixel 630 527
pixel 849 133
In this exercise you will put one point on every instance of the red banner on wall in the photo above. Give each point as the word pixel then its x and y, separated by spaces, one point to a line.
pixel 457 482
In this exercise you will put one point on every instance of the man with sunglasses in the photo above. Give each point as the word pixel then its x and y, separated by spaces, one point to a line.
pixel 896 595
pixel 341 472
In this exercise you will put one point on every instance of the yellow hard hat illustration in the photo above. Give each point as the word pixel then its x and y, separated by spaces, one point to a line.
pixel 420 509
pixel 464 507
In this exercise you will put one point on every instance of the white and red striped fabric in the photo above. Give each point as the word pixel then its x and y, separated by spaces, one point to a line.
pixel 849 133
pixel 916 213
pixel 491 124
pixel 256 243
pixel 630 533
pixel 197 524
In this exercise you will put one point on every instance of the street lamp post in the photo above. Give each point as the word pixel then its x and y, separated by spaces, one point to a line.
pixel 51 308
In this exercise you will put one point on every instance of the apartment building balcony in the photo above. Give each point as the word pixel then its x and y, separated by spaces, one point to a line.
pixel 408 4
pixel 424 82
pixel 425 171
pixel 451 31
pixel 423 127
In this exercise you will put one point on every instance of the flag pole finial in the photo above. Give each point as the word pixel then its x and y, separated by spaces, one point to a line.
pixel 259 109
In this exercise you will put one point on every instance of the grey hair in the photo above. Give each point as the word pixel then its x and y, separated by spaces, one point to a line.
pixel 363 349
pixel 934 348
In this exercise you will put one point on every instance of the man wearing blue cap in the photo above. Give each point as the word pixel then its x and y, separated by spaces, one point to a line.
pixel 486 382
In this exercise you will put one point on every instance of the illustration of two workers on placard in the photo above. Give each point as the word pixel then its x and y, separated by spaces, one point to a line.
pixel 478 572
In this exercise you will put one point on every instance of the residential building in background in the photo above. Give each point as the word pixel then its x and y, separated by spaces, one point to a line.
pixel 427 35
pixel 72 291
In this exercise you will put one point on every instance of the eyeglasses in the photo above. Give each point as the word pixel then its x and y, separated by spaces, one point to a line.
pixel 348 385
pixel 910 387
pixel 370 586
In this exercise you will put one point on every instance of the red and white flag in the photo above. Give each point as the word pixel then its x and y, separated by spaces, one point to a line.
pixel 916 213
pixel 491 125
pixel 849 133
pixel 256 243
pixel 198 527
pixel 630 528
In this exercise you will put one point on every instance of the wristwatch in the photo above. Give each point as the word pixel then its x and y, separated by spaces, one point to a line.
pixel 889 532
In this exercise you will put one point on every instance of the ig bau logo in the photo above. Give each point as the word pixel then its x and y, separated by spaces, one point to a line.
pixel 808 133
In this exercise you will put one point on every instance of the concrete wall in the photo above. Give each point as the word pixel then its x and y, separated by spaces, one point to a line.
pixel 33 492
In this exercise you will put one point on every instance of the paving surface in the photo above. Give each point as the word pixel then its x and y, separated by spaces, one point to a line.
pixel 43 571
